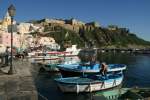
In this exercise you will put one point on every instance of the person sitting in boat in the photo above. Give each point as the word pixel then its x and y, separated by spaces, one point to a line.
pixel 103 69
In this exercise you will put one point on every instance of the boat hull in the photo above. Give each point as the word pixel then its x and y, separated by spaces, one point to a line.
pixel 51 68
pixel 71 73
pixel 89 86
pixel 77 70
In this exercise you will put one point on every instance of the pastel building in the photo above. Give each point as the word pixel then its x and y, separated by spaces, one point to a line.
pixel 6 22
pixel 2 48
pixel 5 39
pixel 49 42
pixel 24 28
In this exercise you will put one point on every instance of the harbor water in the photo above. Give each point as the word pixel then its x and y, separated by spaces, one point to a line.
pixel 136 75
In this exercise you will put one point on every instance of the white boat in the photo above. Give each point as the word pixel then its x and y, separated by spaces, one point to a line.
pixel 51 65
pixel 71 60
pixel 72 51
pixel 79 84
pixel 44 56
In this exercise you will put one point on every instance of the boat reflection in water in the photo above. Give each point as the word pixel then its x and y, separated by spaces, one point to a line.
pixel 124 94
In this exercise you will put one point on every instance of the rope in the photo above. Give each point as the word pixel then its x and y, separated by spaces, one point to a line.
pixel 43 97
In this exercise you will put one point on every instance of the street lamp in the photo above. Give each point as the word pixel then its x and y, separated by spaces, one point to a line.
pixel 11 11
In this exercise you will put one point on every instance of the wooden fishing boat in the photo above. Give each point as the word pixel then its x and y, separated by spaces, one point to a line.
pixel 46 56
pixel 77 69
pixel 51 65
pixel 86 84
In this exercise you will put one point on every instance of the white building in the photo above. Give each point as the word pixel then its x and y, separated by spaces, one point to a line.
pixel 49 42
pixel 24 27
pixel 55 21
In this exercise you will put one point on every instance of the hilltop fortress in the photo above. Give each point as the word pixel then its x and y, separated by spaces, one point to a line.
pixel 53 31
pixel 69 24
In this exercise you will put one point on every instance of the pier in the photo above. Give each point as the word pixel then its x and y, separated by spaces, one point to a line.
pixel 20 85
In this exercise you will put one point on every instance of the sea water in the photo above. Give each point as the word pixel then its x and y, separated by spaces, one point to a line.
pixel 137 74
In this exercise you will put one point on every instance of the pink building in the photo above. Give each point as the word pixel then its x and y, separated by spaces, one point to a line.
pixel 5 39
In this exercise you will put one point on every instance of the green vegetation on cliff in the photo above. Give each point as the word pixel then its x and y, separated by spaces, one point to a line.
pixel 118 37
pixel 94 36
pixel 66 37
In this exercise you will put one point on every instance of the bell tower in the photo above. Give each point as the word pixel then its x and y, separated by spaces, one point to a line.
pixel 6 21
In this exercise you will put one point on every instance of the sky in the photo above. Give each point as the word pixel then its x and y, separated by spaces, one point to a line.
pixel 132 14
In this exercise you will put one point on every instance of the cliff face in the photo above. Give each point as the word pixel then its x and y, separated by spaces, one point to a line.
pixel 92 36
pixel 117 38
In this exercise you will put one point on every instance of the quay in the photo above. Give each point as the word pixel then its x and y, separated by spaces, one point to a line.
pixel 20 85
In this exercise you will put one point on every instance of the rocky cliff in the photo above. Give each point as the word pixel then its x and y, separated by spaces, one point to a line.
pixel 91 35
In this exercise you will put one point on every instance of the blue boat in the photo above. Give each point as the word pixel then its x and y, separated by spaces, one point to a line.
pixel 89 84
pixel 79 69
pixel 51 65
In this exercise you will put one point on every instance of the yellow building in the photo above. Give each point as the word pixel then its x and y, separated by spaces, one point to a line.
pixel 5 23
pixel 0 24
